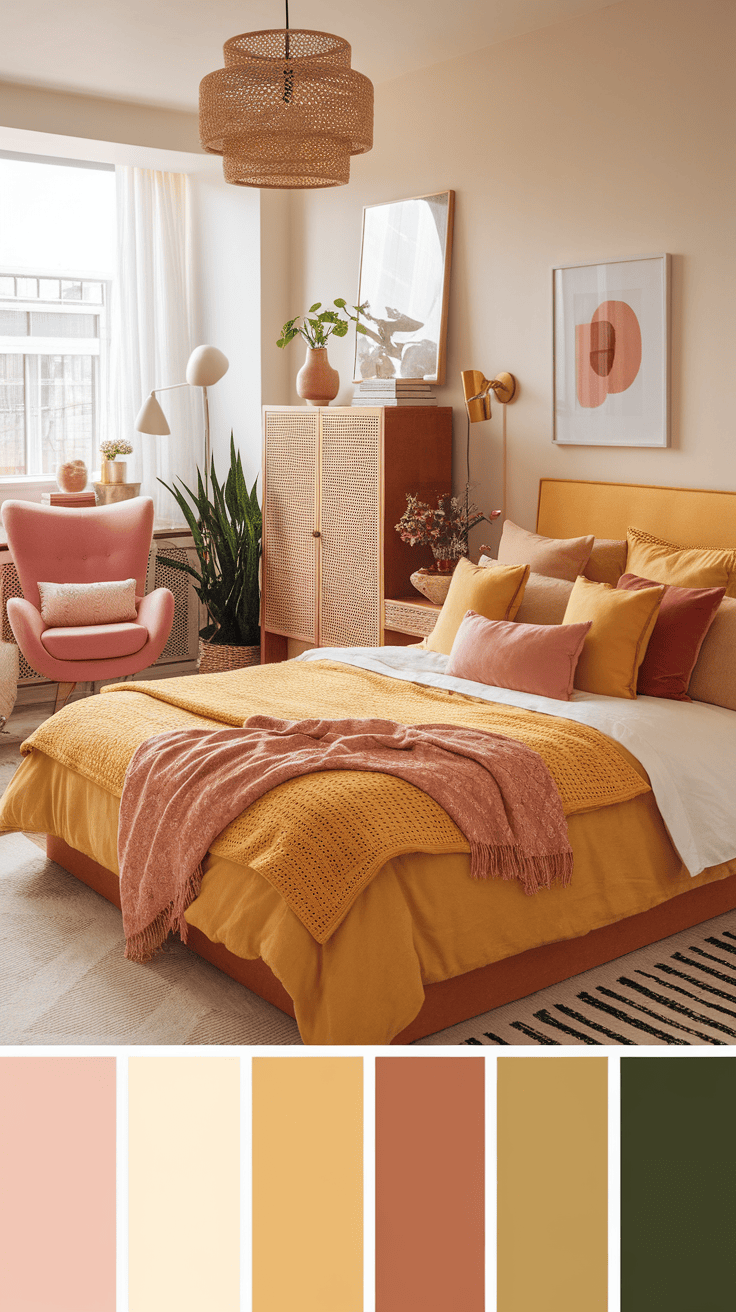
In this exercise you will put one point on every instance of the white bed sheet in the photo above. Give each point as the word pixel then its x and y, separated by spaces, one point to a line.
pixel 688 749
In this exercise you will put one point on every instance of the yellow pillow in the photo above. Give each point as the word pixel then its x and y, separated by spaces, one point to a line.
pixel 493 593
pixel 617 642
pixel 685 567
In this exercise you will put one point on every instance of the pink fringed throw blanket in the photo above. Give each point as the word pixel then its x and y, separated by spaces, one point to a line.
pixel 182 789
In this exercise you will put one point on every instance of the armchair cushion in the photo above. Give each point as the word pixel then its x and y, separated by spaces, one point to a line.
pixel 70 604
pixel 96 642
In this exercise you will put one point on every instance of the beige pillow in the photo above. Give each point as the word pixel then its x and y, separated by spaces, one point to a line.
pixel 544 600
pixel 620 631
pixel 68 605
pixel 607 561
pixel 493 593
pixel 714 677
pixel 557 558
pixel 685 567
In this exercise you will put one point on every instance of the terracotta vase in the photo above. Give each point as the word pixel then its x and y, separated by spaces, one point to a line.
pixel 317 382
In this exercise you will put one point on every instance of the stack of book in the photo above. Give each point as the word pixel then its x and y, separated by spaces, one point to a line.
pixel 69 499
pixel 394 391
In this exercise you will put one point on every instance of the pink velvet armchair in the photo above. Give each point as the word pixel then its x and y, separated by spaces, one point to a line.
pixel 52 544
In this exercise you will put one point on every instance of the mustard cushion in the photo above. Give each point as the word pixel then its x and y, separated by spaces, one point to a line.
pixel 685 567
pixel 493 593
pixel 617 642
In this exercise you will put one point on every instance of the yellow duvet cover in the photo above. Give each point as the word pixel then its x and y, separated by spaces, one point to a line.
pixel 419 920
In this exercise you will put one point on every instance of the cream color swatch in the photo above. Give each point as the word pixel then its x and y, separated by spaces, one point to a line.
pixel 184 1183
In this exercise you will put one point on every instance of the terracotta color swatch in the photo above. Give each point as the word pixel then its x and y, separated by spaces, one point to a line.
pixel 678 1198
pixel 307 1184
pixel 184 1183
pixel 57 1196
pixel 430 1204
pixel 553 1184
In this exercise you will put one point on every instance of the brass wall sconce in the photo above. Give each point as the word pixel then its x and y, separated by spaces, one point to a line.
pixel 477 392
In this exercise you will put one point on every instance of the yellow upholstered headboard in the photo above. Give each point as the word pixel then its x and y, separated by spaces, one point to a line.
pixel 688 517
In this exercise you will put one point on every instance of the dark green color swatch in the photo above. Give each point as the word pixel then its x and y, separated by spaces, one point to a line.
pixel 678 1184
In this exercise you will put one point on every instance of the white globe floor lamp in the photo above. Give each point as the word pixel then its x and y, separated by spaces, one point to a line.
pixel 205 367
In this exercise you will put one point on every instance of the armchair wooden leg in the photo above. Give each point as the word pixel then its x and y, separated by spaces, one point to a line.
pixel 63 693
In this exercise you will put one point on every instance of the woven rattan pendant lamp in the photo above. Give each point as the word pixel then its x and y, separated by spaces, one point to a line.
pixel 287 110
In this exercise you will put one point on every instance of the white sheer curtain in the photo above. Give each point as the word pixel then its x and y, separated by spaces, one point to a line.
pixel 153 329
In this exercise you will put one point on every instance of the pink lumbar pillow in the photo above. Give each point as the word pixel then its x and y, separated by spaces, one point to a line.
pixel 536 658
pixel 68 605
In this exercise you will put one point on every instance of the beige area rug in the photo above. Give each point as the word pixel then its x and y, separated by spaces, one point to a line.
pixel 64 979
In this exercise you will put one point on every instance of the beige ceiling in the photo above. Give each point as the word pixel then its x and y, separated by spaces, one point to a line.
pixel 156 51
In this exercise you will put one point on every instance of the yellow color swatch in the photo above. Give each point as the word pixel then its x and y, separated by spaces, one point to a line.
pixel 184 1183
pixel 552 1184
pixel 307 1184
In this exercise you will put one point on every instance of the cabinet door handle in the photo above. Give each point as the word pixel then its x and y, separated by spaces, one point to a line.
pixel 316 533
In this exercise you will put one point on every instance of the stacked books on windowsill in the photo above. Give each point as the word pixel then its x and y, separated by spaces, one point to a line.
pixel 394 391
pixel 69 499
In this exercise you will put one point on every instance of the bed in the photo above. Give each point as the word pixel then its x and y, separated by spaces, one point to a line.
pixel 422 946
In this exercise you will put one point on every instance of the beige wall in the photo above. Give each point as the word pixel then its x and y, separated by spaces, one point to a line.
pixel 65 114
pixel 607 136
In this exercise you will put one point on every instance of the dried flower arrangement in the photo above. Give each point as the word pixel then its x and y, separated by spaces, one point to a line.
pixel 444 527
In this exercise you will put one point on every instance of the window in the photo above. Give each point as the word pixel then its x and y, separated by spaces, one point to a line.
pixel 55 287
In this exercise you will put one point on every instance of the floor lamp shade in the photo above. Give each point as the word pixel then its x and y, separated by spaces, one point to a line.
pixel 151 418
pixel 206 366
pixel 287 110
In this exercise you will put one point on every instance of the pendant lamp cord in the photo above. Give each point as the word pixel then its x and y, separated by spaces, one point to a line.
pixel 288 72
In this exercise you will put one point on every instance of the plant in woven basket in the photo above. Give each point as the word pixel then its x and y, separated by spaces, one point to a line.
pixel 317 328
pixel 226 528
pixel 444 527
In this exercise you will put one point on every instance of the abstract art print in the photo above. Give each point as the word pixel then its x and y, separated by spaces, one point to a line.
pixel 404 279
pixel 611 352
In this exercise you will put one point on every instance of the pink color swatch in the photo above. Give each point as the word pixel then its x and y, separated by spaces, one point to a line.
pixel 57 1200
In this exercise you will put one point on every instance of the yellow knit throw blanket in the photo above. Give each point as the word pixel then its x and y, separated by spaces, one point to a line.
pixel 368 818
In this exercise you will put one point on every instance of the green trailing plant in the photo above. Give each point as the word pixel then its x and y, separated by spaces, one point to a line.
pixel 317 328
pixel 226 528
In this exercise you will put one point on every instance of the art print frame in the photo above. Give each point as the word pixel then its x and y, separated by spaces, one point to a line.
pixel 377 355
pixel 611 352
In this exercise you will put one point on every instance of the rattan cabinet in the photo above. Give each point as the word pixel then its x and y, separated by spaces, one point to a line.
pixel 334 485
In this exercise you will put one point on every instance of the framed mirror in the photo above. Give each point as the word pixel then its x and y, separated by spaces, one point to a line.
pixel 404 278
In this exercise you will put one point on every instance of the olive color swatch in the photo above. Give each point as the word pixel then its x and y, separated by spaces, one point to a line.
pixel 678 1184
pixel 430 1175
pixel 552 1192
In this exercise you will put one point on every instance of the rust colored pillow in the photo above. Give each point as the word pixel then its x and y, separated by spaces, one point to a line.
pixel 685 615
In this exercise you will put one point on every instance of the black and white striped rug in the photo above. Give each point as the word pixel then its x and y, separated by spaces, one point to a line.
pixel 679 991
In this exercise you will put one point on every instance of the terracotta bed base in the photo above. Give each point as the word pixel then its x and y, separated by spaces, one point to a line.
pixel 453 1000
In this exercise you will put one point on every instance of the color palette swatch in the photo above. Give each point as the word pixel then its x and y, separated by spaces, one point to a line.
pixel 678 1183
pixel 352 1184
pixel 307 1184
pixel 430 1202
pixel 184 1183
pixel 552 1184
pixel 57 1184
